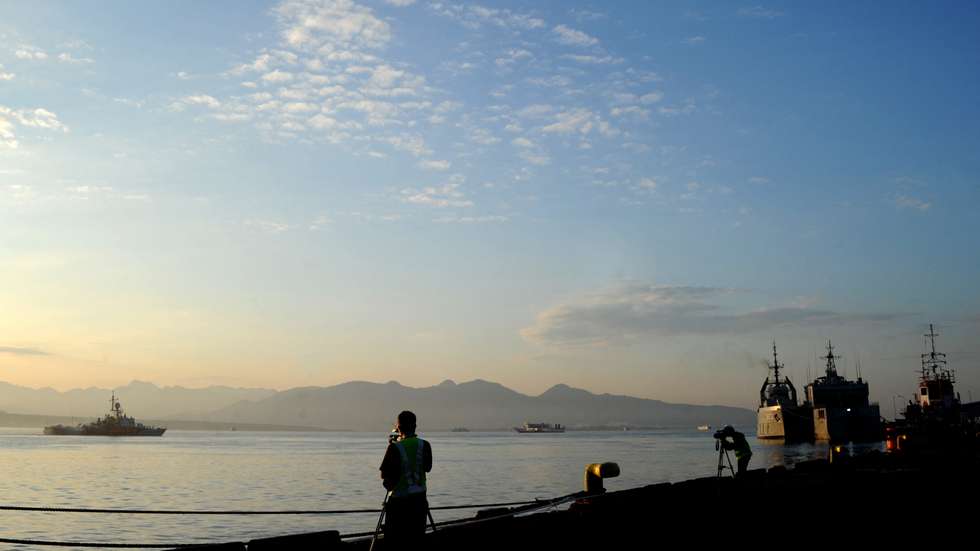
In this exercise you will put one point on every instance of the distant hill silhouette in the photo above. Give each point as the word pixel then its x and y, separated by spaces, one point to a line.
pixel 141 399
pixel 475 404
pixel 368 406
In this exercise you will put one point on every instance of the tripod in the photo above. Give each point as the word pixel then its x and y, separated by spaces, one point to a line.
pixel 722 458
pixel 381 518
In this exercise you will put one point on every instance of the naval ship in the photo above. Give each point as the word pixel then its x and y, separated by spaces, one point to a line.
pixel 841 410
pixel 114 423
pixel 937 418
pixel 534 428
pixel 780 416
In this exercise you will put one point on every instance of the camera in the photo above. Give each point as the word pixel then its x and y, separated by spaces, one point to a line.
pixel 719 434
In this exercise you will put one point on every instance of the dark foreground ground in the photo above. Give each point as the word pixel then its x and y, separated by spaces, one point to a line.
pixel 881 501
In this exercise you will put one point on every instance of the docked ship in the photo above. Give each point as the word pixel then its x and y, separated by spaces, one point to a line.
pixel 841 410
pixel 539 427
pixel 780 416
pixel 114 423
pixel 936 418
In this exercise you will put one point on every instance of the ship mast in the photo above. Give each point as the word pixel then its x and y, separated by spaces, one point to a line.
pixel 831 361
pixel 933 361
pixel 775 364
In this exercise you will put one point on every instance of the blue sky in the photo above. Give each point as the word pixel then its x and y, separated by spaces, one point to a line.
pixel 633 198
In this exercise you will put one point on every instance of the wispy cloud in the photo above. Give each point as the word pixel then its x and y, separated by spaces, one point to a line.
pixel 573 37
pixel 695 40
pixel 68 58
pixel 18 351
pixel 906 202
pixel 30 53
pixel 268 226
pixel 31 118
pixel 444 196
pixel 634 311
pixel 759 12
pixel 435 165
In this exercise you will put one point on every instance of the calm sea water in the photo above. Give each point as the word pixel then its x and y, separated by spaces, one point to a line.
pixel 269 471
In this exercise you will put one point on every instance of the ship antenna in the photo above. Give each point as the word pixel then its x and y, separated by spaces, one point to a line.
pixel 831 363
pixel 775 362
pixel 935 361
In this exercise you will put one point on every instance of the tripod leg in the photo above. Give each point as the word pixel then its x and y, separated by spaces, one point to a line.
pixel 431 520
pixel 730 468
pixel 381 517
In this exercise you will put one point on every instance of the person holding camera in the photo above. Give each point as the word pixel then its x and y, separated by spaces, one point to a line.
pixel 743 453
pixel 403 469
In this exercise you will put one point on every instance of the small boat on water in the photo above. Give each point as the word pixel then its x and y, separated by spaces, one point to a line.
pixel 539 427
pixel 114 423
pixel 704 428
pixel 460 429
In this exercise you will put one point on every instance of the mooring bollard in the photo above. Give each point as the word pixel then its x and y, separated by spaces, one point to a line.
pixel 595 472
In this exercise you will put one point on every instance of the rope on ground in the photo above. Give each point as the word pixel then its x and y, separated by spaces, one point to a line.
pixel 102 545
pixel 540 506
pixel 234 512
pixel 536 505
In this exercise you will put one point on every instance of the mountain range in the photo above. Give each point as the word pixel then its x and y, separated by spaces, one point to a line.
pixel 359 405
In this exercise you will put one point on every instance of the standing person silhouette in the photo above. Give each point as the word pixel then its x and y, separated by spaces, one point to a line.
pixel 403 469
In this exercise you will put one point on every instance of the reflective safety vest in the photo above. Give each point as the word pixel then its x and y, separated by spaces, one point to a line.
pixel 742 448
pixel 412 481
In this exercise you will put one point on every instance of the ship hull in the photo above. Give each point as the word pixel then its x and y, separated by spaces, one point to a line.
pixel 60 430
pixel 791 424
pixel 855 424
pixel 537 431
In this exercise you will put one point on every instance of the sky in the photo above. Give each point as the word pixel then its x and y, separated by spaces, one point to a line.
pixel 631 197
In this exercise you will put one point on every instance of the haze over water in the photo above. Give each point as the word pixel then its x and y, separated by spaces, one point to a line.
pixel 276 471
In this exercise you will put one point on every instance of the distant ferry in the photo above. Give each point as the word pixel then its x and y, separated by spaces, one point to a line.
pixel 539 427
pixel 114 423
pixel 704 428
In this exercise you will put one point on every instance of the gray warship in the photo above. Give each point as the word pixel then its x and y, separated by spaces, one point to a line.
pixel 114 423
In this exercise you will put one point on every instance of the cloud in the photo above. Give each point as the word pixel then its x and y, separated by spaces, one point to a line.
pixel 471 219
pixel 267 226
pixel 594 60
pixel 635 311
pixel 328 25
pixel 444 196
pixel 320 222
pixel 905 202
pixel 694 40
pixel 32 118
pixel 633 112
pixel 652 97
pixel 17 351
pixel 68 58
pixel 572 37
pixel 578 120
pixel 434 165
pixel 759 12
pixel 647 183
pixel 674 110
pixel 512 56
pixel 6 76
pixel 30 53
pixel 475 16
pixel 400 3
